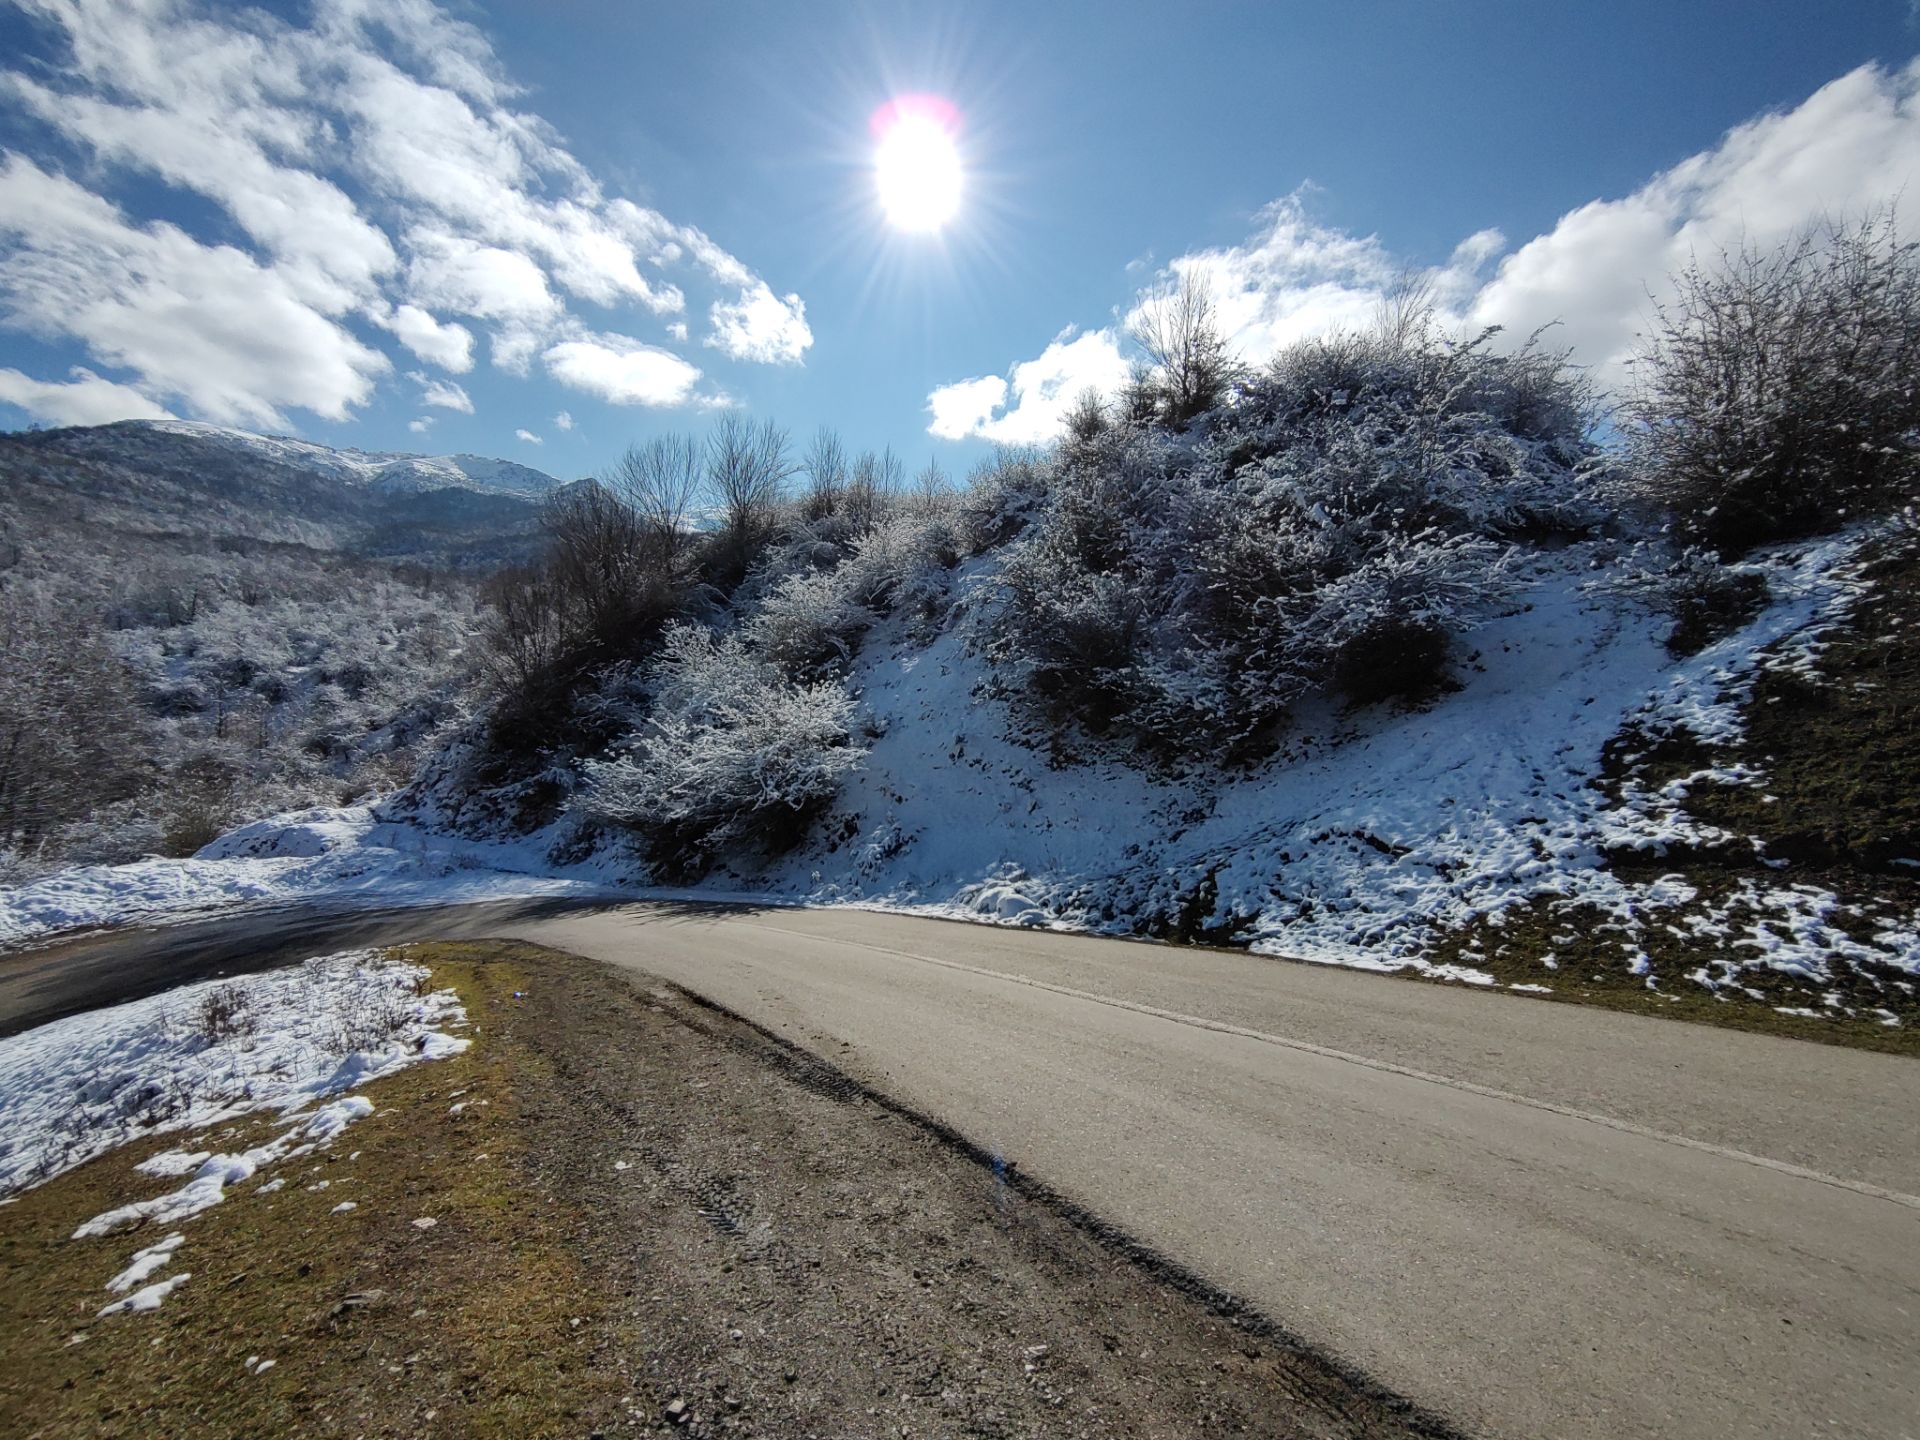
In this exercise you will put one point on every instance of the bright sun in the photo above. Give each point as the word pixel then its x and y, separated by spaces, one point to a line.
pixel 916 165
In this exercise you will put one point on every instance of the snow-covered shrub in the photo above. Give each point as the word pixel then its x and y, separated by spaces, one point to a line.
pixel 1003 496
pixel 808 626
pixel 1335 527
pixel 730 753
pixel 904 562
pixel 1382 629
pixel 1433 432
pixel 1775 395
pixel 809 619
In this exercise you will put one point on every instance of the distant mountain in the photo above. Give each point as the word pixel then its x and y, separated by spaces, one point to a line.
pixel 379 470
pixel 192 481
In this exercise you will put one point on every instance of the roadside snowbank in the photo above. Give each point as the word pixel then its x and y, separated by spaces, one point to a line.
pixel 348 857
pixel 1372 832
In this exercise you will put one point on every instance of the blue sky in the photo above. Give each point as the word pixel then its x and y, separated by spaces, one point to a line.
pixel 404 226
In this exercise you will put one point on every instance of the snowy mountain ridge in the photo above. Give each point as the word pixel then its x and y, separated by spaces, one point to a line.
pixel 380 470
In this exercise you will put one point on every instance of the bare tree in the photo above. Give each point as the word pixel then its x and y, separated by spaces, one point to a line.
pixel 872 486
pixel 931 487
pixel 597 551
pixel 747 469
pixel 826 470
pixel 660 481
pixel 1775 395
pixel 1179 329
pixel 1403 315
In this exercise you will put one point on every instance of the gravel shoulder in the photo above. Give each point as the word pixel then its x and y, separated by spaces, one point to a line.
pixel 649 1215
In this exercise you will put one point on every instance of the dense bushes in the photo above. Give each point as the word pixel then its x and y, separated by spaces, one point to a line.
pixel 689 670
pixel 611 577
pixel 1211 548
pixel 726 752
pixel 1778 393
pixel 1338 525
pixel 70 724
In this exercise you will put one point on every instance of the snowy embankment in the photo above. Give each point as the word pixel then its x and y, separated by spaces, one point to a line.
pixel 347 858
pixel 1369 836
pixel 206 1055
pixel 1373 832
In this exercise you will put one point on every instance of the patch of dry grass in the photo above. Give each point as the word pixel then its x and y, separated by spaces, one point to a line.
pixel 484 1324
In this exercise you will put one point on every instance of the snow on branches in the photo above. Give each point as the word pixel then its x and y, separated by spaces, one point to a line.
pixel 730 751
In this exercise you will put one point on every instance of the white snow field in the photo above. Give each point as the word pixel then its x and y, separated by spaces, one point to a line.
pixel 1370 834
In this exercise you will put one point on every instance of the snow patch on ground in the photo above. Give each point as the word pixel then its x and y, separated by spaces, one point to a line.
pixel 349 857
pixel 145 1262
pixel 205 1054
pixel 148 1298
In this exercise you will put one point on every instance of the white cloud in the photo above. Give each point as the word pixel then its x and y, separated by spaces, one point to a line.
pixel 231 338
pixel 563 421
pixel 1031 408
pixel 453 272
pixel 966 407
pixel 205 106
pixel 1290 279
pixel 761 326
pixel 422 425
pixel 86 399
pixel 678 330
pixel 514 344
pixel 528 437
pixel 443 394
pixel 623 370
pixel 447 345
pixel 1852 145
pixel 377 166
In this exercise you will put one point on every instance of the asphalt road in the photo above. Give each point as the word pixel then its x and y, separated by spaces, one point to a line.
pixel 1534 1219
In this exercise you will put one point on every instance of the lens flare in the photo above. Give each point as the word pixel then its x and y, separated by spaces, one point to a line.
pixel 916 162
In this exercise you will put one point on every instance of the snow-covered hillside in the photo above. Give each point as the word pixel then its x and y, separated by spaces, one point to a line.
pixel 1375 834
pixel 381 471
pixel 1372 834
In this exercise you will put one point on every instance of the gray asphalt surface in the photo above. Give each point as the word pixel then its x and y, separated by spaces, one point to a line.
pixel 1536 1220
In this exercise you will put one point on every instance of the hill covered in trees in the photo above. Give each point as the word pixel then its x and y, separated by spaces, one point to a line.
pixel 202 626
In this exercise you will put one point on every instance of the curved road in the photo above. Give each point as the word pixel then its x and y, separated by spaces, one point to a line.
pixel 1533 1219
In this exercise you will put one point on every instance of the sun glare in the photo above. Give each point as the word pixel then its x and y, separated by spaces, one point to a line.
pixel 916 163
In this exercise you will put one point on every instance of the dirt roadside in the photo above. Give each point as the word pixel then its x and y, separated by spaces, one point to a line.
pixel 650 1216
